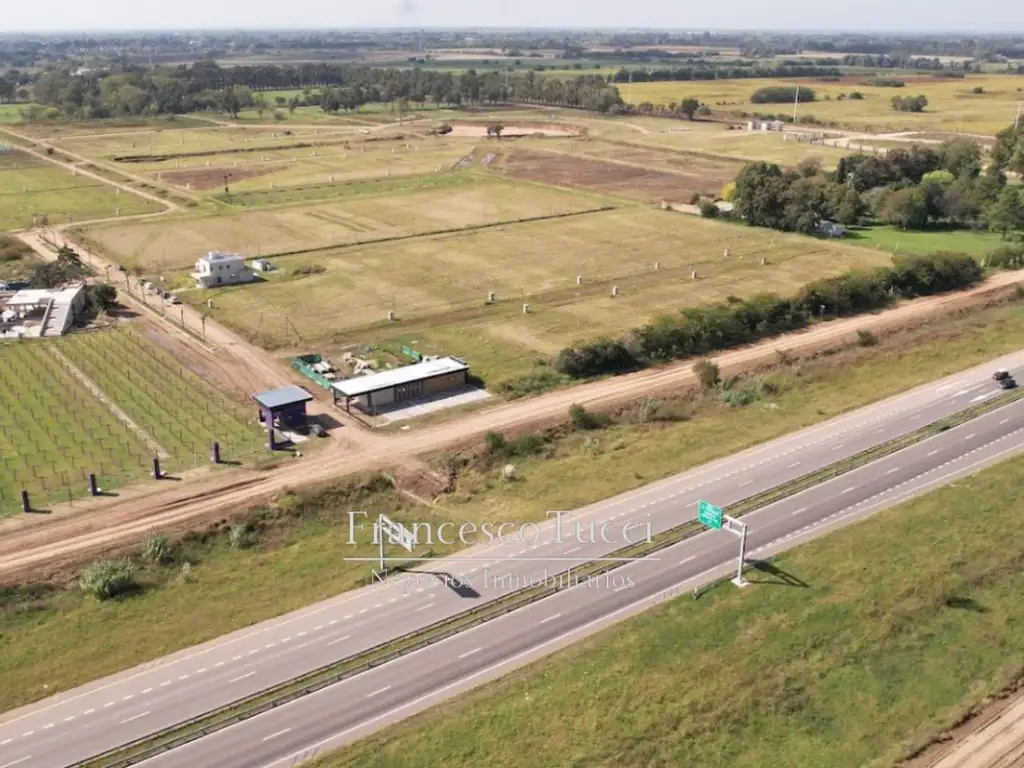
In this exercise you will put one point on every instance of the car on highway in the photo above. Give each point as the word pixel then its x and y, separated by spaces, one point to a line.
pixel 1001 375
pixel 1007 382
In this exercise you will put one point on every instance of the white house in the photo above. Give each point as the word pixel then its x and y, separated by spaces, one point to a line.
pixel 216 268
pixel 35 312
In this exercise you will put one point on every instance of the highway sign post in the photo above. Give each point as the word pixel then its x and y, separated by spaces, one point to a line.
pixel 396 533
pixel 711 516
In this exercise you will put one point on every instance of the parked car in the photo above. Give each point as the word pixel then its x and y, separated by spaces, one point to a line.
pixel 174 299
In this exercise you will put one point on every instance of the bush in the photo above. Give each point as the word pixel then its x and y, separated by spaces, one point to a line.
pixel 495 443
pixel 108 578
pixel 239 535
pixel 695 198
pixel 856 95
pixel 309 269
pixel 883 82
pixel 909 103
pixel 158 549
pixel 581 418
pixel 707 374
pixel 529 384
pixel 866 338
pixel 781 95
pixel 1006 257
pixel 737 398
pixel 708 210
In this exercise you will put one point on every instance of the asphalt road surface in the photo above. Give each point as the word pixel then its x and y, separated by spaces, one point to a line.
pixel 344 712
pixel 115 710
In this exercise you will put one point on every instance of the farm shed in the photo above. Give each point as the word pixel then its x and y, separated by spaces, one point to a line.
pixel 284 408
pixel 400 385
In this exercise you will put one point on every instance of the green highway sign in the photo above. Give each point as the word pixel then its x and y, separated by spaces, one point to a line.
pixel 709 514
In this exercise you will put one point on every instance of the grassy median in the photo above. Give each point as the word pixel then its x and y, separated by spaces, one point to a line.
pixel 885 633
pixel 52 638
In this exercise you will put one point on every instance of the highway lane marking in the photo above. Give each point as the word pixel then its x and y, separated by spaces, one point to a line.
pixel 385 688
pixel 340 639
pixel 165 683
pixel 347 616
pixel 89 711
pixel 318 627
pixel 933 453
pixel 890 471
pixel 275 735
pixel 424 607
pixel 5 741
pixel 235 658
pixel 242 677
pixel 574 549
pixel 746 483
pixel 26 734
pixel 364 610
pixel 969 436
pixel 218 664
pixel 549 618
pixel 798 511
pixel 794 464
pixel 470 653
pixel 1004 421
pixel 136 717
pixel 304 633
pixel 687 559
pixel 332 622
pixel 691 504
pixel 201 671
pixel 270 645
pixel 129 696
pixel 837 447
pixel 848 489
pixel 148 690
pixel 109 704
pixel 16 762
pixel 48 725
pixel 69 718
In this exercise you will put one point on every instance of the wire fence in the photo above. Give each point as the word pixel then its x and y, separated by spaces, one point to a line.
pixel 107 404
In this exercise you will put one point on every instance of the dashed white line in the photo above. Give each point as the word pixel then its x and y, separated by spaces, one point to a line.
pixel 275 735
pixel 424 607
pixel 136 717
pixel 332 622
pixel 837 447
pixel 69 718
pixel 364 610
pixel 201 671
pixel 385 688
pixel 48 725
pixel 794 464
pixel 748 482
pixel 890 471
pixel 969 436
pixel 109 704
pixel 574 549
pixel 5 741
pixel 691 504
pixel 798 511
pixel 16 762
pixel 469 653
pixel 1004 421
pixel 270 645
pixel 304 633
pixel 340 639
pixel 847 490
pixel 26 734
pixel 165 683
pixel 687 559
pixel 128 697
pixel 89 711
pixel 235 658
pixel 347 616
pixel 933 453
pixel 318 627
pixel 242 677
pixel 550 618
pixel 219 664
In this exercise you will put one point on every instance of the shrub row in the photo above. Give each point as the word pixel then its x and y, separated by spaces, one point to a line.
pixel 703 330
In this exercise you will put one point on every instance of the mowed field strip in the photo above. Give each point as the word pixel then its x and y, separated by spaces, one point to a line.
pixel 30 186
pixel 951 104
pixel 175 243
pixel 57 429
pixel 439 280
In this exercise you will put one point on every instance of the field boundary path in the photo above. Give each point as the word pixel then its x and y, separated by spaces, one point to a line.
pixel 992 739
pixel 39 547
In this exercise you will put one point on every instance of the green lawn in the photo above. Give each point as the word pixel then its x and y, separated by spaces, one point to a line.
pixel 11 113
pixel 57 430
pixel 975 242
pixel 62 640
pixel 901 625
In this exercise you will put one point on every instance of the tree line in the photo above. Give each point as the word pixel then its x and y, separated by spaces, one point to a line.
pixel 704 330
pixel 206 86
pixel 909 188
pixel 733 70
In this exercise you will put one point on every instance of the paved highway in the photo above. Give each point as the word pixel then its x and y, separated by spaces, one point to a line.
pixel 123 707
pixel 356 707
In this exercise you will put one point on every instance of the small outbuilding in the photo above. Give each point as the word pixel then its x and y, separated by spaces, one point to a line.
pixel 400 385
pixel 284 408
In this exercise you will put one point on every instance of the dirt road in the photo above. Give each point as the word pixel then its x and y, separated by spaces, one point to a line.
pixel 34 547
pixel 993 739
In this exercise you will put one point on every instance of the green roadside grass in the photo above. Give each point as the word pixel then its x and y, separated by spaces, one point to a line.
pixel 52 639
pixel 894 629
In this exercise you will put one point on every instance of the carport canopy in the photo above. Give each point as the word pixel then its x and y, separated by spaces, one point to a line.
pixel 375 382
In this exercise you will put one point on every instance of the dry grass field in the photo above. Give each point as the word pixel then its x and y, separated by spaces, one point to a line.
pixel 31 186
pixel 175 243
pixel 951 103
pixel 438 285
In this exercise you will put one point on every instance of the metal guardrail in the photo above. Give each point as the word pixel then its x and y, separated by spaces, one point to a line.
pixel 254 705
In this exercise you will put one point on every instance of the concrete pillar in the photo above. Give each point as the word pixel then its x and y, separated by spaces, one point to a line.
pixel 26 506
pixel 490 297
pixel 215 453
pixel 156 468
pixel 693 275
pixel 615 290
pixel 93 488
pixel 526 309
pixel 579 279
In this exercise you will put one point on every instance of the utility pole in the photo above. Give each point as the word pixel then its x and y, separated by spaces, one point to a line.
pixel 629 88
pixel 796 101
pixel 1016 120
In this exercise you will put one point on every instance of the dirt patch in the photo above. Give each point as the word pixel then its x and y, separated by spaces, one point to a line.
pixel 208 178
pixel 620 179
pixel 422 483
pixel 479 130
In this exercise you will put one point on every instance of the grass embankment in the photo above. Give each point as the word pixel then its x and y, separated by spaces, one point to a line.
pixel 56 638
pixel 895 629
pixel 975 242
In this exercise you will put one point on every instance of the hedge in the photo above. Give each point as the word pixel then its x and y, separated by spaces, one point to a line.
pixel 732 323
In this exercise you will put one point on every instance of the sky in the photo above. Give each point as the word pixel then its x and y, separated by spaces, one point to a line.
pixel 1005 16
